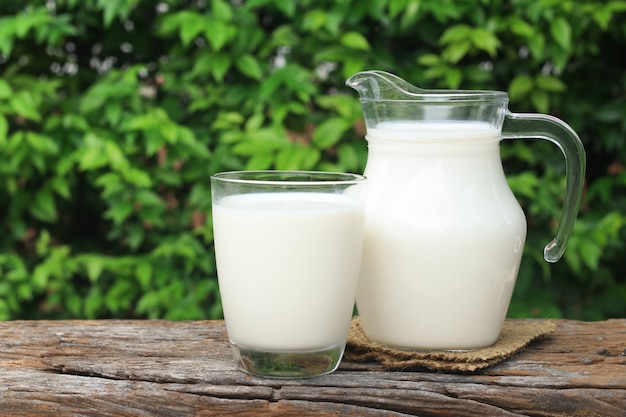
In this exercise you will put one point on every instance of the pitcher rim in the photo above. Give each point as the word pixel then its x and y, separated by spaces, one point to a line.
pixel 372 85
pixel 438 96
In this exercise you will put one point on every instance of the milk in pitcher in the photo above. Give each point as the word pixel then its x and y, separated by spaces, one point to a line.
pixel 442 259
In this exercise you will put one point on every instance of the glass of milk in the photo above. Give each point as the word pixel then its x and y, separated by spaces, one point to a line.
pixel 288 247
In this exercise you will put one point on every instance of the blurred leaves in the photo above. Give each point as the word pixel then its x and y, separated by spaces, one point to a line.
pixel 114 114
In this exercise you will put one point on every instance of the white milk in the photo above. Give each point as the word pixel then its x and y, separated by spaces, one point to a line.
pixel 288 266
pixel 444 236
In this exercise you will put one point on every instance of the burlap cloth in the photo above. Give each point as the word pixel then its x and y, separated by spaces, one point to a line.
pixel 515 335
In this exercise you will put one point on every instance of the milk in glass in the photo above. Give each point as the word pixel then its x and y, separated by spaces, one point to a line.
pixel 288 267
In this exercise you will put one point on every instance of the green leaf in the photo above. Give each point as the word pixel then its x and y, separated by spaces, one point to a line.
pixel 191 30
pixel 187 140
pixel 113 8
pixel 270 85
pixel 429 60
pixel 24 104
pixel 222 10
pixel 525 183
pixel 93 303
pixel 200 196
pixel 560 58
pixel 220 64
pixel 171 22
pixel 116 156
pixel 521 27
pixel 261 141
pixel 218 33
pixel 118 296
pixel 143 272
pixel 148 198
pixel 40 277
pixel 485 40
pixel 454 52
pixel 4 128
pixel 202 64
pixel 94 265
pixel 590 253
pixel 396 7
pixel 314 20
pixel 24 292
pixel 342 104
pixel 113 113
pixel 5 89
pixel 328 133
pixel 561 32
pixel 540 100
pixel 111 183
pixel 453 77
pixel 309 156
pixel 549 83
pixel 520 87
pixel 254 122
pixel 456 33
pixel 144 121
pixel 435 72
pixel 44 208
pixel 43 243
pixel 297 157
pixel 285 36
pixel 137 177
pixel 260 161
pixel 348 157
pixel 355 40
pixel 352 65
pixel 228 120
pixel 95 97
pixel 30 19
pixel 169 131
pixel 92 158
pixel 136 235
pixel 248 65
pixel 149 301
pixel 61 187
pixel 287 159
pixel 119 212
pixel 335 53
pixel 42 143
pixel 7 34
pixel 288 7
pixel 603 17
pixel 410 14
pixel 537 45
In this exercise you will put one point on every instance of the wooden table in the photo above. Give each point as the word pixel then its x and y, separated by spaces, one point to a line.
pixel 147 368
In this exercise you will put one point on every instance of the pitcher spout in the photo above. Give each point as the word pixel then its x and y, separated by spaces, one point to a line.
pixel 381 85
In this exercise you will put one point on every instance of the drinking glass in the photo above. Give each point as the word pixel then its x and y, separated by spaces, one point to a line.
pixel 288 247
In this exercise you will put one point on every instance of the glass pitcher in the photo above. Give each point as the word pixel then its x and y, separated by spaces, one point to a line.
pixel 444 233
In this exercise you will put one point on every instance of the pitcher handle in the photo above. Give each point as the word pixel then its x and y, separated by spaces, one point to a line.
pixel 539 126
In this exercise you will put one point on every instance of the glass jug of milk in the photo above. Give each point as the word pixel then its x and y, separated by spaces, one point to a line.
pixel 444 233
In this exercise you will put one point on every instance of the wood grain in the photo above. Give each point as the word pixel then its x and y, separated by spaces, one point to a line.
pixel 161 368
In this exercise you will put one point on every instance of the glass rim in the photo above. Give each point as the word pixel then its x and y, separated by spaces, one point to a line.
pixel 288 177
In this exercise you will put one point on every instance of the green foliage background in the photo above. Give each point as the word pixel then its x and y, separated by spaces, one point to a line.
pixel 114 113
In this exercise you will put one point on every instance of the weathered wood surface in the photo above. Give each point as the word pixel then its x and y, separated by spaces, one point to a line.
pixel 160 368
